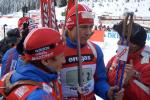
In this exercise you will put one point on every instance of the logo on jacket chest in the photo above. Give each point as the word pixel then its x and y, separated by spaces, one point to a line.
pixel 74 58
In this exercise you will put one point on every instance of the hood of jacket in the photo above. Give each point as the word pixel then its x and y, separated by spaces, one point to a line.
pixel 27 71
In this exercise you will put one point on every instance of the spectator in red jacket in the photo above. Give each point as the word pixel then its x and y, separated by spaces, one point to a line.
pixel 137 71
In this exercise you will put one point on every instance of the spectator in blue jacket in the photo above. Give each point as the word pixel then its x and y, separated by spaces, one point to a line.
pixel 10 58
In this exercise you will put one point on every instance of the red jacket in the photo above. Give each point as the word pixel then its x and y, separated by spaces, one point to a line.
pixel 137 88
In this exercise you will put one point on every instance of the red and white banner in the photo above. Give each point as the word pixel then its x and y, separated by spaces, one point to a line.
pixel 70 4
pixel 48 16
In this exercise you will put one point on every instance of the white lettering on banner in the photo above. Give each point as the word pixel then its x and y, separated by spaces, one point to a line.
pixel 112 35
pixel 115 35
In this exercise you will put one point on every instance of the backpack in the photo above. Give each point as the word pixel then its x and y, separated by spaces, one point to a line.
pixel 6 88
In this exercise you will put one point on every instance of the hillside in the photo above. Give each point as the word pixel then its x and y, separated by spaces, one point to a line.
pixel 107 7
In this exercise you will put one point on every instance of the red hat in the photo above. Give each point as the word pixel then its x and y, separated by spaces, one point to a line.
pixel 85 16
pixel 26 22
pixel 43 43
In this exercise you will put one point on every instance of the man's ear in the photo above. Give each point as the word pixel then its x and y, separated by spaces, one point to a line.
pixel 47 61
pixel 44 62
pixel 70 35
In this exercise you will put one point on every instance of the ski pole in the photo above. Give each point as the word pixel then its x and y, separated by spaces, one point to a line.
pixel 123 53
pixel 80 78
pixel 128 39
pixel 122 41
pixel 4 26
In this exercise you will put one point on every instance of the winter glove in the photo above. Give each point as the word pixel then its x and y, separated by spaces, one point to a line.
pixel 118 95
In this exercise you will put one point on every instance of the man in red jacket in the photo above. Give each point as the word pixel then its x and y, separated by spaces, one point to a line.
pixel 137 71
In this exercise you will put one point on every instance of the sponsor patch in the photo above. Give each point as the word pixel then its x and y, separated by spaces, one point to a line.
pixel 21 91
pixel 74 58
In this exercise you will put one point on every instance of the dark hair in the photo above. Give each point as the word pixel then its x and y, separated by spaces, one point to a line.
pixel 138 35
pixel 7 43
pixel 20 47
pixel 13 33
pixel 4 46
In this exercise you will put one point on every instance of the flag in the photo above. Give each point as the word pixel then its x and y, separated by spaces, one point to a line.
pixel 48 16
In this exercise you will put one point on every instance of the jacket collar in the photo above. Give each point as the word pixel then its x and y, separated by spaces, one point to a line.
pixel 72 44
pixel 136 54
pixel 26 71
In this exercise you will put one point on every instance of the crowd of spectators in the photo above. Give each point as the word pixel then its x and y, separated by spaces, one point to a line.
pixel 102 27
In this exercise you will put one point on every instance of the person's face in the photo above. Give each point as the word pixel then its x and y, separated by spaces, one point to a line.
pixel 55 63
pixel 59 60
pixel 132 47
pixel 85 32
